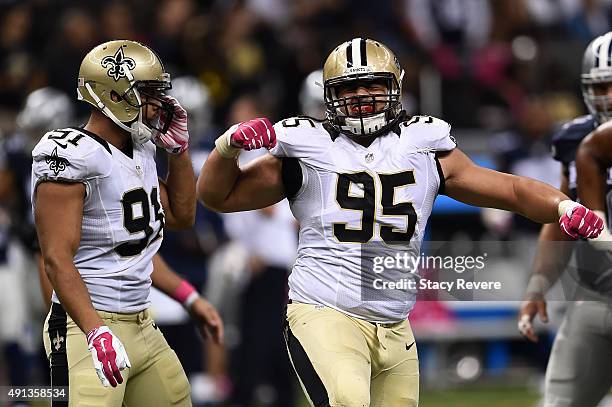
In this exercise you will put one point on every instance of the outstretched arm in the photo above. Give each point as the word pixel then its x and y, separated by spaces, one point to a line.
pixel 205 315
pixel 475 185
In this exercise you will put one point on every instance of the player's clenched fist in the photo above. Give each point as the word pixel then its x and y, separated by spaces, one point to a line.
pixel 249 135
pixel 109 355
pixel 578 221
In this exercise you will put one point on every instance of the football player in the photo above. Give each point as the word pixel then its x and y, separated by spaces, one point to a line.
pixel 576 373
pixel 100 211
pixel 363 181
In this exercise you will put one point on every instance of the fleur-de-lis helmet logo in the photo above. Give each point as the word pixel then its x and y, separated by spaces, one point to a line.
pixel 115 64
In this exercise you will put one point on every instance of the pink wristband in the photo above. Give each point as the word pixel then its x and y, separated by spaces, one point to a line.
pixel 185 293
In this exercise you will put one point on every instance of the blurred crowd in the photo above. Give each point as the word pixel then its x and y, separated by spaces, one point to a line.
pixel 506 70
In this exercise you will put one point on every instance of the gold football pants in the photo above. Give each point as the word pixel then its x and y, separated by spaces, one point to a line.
pixel 156 377
pixel 343 361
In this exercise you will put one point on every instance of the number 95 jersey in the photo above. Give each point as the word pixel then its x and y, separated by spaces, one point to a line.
pixel 359 207
pixel 122 220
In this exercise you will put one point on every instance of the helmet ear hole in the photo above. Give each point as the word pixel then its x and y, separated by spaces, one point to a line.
pixel 114 96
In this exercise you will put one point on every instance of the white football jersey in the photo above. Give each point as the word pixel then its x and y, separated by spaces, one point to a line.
pixel 122 224
pixel 355 204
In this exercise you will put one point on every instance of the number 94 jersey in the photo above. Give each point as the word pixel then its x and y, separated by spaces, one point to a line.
pixel 360 207
pixel 122 221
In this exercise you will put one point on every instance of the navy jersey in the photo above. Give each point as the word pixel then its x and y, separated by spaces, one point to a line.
pixel 593 267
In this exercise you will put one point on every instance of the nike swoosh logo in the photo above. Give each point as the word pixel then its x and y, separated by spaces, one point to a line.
pixel 409 346
pixel 102 340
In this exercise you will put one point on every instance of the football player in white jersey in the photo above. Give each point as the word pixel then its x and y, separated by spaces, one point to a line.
pixel 362 183
pixel 100 211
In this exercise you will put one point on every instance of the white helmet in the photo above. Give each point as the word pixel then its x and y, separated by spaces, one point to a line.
pixel 597 70
pixel 312 102
pixel 45 109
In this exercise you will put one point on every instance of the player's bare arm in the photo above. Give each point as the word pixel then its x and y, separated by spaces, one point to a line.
pixel 46 289
pixel 177 192
pixel 479 186
pixel 225 187
pixel 201 311
pixel 551 259
pixel 58 213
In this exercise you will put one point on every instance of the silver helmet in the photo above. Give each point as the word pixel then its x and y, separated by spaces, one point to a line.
pixel 45 109
pixel 597 71
pixel 311 95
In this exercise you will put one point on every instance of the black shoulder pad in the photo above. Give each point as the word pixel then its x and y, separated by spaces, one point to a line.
pixel 565 142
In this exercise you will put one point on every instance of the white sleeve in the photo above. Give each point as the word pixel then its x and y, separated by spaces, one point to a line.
pixel 58 160
pixel 426 133
pixel 279 150
pixel 298 137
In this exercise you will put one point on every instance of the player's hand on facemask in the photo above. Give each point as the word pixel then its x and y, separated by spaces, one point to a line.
pixel 578 221
pixel 109 355
pixel 250 135
pixel 176 138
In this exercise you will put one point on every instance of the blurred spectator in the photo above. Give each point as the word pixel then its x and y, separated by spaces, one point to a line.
pixel 524 150
pixel 44 110
pixel 16 59
pixel 261 371
pixel 188 251
pixel 117 22
pixel 587 19
pixel 450 32
pixel 78 33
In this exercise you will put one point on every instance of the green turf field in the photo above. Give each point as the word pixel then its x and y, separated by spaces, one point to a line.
pixel 504 397
pixel 500 397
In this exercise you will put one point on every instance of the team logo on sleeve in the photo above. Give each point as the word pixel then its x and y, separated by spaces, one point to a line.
pixel 56 163
pixel 115 64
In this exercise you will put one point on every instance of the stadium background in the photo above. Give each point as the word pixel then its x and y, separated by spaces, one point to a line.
pixel 504 73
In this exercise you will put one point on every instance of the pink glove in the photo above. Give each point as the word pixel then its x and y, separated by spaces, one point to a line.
pixel 249 135
pixel 254 134
pixel 176 139
pixel 109 355
pixel 578 221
